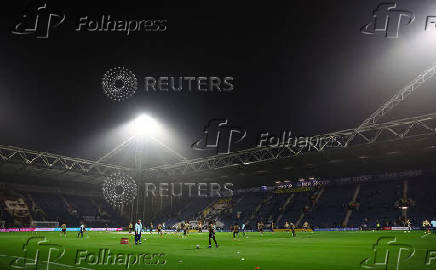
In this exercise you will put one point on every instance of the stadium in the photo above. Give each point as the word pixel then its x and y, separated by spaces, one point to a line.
pixel 310 156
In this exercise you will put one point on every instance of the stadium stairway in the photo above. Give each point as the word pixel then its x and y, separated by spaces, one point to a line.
pixel 294 207
pixel 36 211
pixel 422 190
pixel 330 208
pixel 377 203
pixel 350 210
pixel 54 207
pixel 255 214
pixel 283 208
pixel 313 200
pixel 4 214
pixel 189 210
pixel 232 214
pixel 244 208
pixel 405 190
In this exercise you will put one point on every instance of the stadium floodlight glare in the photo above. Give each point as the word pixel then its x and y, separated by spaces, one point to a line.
pixel 143 125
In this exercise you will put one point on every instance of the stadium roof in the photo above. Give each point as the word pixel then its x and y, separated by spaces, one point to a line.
pixel 414 152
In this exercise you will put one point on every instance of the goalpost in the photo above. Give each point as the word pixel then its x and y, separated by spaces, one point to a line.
pixel 44 224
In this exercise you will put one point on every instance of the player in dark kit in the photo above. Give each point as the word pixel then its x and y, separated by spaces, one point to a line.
pixel 64 230
pixel 185 227
pixel 235 230
pixel 82 229
pixel 159 230
pixel 212 234
pixel 293 229
pixel 260 226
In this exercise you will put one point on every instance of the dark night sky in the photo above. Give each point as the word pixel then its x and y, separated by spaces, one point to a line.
pixel 303 66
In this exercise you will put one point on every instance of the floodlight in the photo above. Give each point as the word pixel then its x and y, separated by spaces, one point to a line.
pixel 144 125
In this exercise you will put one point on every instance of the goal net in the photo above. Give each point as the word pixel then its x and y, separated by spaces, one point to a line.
pixel 44 224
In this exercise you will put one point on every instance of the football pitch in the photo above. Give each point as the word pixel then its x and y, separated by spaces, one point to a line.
pixel 310 250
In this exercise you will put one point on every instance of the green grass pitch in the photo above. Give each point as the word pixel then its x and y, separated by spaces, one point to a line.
pixel 274 251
